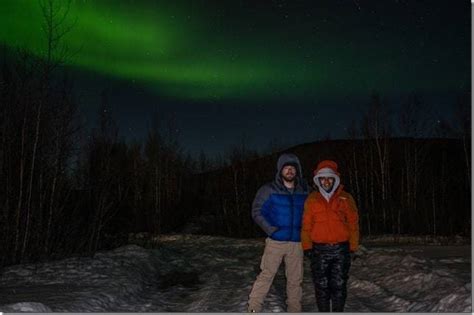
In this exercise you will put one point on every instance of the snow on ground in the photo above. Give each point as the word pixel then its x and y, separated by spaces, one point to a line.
pixel 190 273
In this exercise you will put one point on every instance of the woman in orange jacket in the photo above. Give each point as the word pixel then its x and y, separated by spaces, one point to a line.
pixel 330 232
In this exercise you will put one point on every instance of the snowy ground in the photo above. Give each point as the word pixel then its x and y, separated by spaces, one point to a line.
pixel 190 273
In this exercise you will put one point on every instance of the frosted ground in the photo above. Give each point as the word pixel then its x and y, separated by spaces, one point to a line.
pixel 189 273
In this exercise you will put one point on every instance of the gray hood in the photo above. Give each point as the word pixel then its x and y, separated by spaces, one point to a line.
pixel 286 158
pixel 327 172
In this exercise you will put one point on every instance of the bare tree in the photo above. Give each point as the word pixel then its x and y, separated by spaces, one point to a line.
pixel 377 131
pixel 54 17
pixel 354 172
pixel 463 122
pixel 63 130
pixel 154 151
pixel 412 121
pixel 106 192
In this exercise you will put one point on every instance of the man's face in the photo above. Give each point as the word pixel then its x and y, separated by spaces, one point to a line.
pixel 288 173
pixel 327 183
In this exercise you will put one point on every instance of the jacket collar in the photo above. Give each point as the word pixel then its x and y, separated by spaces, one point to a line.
pixel 334 195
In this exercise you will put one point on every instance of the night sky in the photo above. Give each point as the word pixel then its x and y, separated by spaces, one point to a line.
pixel 254 71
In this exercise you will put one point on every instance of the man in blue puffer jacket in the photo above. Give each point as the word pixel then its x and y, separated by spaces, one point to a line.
pixel 278 210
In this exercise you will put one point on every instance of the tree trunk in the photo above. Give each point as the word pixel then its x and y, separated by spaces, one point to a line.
pixel 467 159
pixel 20 194
pixel 51 205
pixel 433 208
pixel 30 185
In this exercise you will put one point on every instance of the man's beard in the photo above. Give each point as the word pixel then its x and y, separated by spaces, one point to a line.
pixel 287 179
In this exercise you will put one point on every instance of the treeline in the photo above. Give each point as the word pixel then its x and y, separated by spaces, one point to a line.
pixel 66 190
pixel 37 128
pixel 416 183
pixel 69 191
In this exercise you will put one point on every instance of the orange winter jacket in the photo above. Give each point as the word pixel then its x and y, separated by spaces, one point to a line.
pixel 330 222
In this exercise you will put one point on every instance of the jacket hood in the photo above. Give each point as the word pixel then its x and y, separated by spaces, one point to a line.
pixel 327 168
pixel 288 158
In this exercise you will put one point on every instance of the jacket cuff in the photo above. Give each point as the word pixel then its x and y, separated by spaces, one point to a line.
pixel 271 230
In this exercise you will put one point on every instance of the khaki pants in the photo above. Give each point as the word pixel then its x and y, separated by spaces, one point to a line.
pixel 276 251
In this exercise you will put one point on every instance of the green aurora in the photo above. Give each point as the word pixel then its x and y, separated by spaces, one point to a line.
pixel 197 51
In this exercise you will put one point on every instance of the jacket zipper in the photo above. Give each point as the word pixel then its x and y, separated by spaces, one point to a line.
pixel 292 216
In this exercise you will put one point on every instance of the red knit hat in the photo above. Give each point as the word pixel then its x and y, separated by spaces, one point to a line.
pixel 326 164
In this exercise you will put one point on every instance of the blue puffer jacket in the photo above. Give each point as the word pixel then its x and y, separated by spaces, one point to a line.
pixel 277 210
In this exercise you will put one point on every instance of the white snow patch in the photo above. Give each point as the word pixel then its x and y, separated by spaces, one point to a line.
pixel 191 273
pixel 26 307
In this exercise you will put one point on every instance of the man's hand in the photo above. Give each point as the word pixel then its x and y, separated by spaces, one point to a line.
pixel 273 229
pixel 308 253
